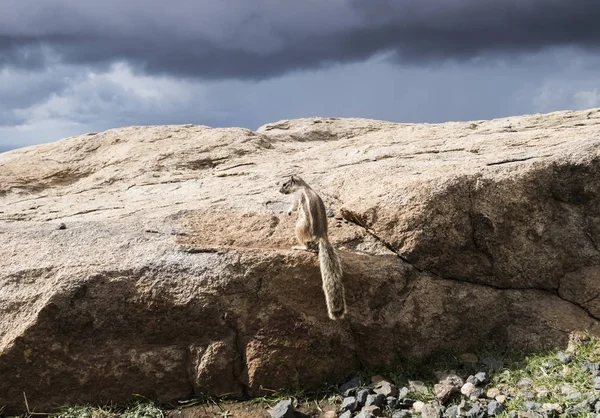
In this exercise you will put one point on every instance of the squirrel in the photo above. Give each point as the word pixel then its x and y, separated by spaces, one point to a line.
pixel 311 228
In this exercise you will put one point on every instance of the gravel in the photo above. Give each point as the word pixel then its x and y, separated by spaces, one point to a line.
pixel 481 395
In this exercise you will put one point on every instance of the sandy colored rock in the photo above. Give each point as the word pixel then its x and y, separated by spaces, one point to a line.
pixel 172 275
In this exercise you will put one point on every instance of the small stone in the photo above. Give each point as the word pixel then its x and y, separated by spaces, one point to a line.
pixel 527 414
pixel 548 364
pixel 477 393
pixel 349 388
pixel 346 414
pixel 541 392
pixel 525 383
pixel 385 388
pixel 476 411
pixel 283 409
pixel 493 363
pixel 403 392
pixel 62 225
pixel 328 414
pixel 566 390
pixel 481 378
pixel 529 396
pixel 492 393
pixel 417 386
pixel 564 357
pixel 364 414
pixel 392 402
pixel 378 400
pixel 452 412
pixel 418 406
pixel 406 403
pixel 597 407
pixel 401 414
pixel 555 408
pixel 531 406
pixel 574 396
pixel 330 213
pixel 590 367
pixel 431 411
pixel 468 358
pixel 597 383
pixel 372 410
pixel 500 398
pixel 584 405
pixel 495 408
pixel 467 389
pixel 349 404
pixel 444 391
pixel 361 396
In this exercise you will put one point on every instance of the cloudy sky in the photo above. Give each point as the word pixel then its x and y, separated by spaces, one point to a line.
pixel 69 67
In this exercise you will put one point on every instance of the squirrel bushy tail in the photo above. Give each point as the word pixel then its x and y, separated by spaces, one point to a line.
pixel 331 272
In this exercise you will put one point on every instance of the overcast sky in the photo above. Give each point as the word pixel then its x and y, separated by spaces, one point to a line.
pixel 68 67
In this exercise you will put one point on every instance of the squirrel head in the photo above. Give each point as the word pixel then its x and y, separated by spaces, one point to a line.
pixel 292 185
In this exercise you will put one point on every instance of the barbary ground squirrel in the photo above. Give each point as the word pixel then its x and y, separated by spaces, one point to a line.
pixel 311 229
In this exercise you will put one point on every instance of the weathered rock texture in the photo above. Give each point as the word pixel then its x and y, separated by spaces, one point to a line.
pixel 172 273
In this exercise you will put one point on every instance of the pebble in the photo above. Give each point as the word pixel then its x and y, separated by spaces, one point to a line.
pixel 283 409
pixel 452 412
pixel 590 367
pixel 525 383
pixel 372 410
pixel 431 411
pixel 401 414
pixel 444 391
pixel 574 396
pixel 328 414
pixel 418 406
pixel 385 388
pixel 476 411
pixel 346 414
pixel 417 386
pixel 477 393
pixel 597 383
pixel 349 388
pixel 403 392
pixel 378 400
pixel 552 407
pixel 392 402
pixel 349 404
pixel 495 408
pixel 467 389
pixel 584 405
pixel 478 379
pixel 361 396
pixel 531 406
pixel 564 357
pixel 492 393
pixel 364 414
pixel 62 225
pixel 597 407
pixel 500 398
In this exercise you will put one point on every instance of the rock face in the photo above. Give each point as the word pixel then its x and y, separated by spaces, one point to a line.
pixel 156 260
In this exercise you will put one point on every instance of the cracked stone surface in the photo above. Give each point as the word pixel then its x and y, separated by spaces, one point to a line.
pixel 156 260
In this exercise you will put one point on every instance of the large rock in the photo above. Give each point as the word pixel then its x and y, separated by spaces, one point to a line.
pixel 172 274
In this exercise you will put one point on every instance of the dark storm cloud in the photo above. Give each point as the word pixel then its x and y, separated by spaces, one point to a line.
pixel 257 39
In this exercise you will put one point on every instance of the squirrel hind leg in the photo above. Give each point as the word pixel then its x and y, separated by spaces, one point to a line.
pixel 303 234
